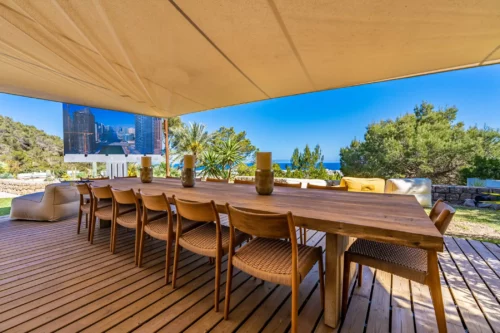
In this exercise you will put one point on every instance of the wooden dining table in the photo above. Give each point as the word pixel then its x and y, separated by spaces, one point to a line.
pixel 343 216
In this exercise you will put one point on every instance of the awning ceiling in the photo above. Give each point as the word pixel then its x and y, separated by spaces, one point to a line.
pixel 169 58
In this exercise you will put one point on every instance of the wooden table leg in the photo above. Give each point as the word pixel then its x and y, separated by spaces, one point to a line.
pixel 335 247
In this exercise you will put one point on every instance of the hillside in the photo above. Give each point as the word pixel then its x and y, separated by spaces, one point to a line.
pixel 25 148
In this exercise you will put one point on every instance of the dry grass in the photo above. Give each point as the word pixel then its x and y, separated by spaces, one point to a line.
pixel 480 224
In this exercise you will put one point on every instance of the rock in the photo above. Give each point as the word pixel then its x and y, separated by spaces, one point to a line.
pixel 495 206
pixel 484 205
pixel 471 190
pixel 441 189
pixel 469 203
pixel 465 196
pixel 453 197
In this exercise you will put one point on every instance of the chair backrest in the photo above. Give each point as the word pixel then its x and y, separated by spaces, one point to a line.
pixel 246 182
pixel 83 189
pixel 103 192
pixel 441 214
pixel 321 187
pixel 157 202
pixel 262 225
pixel 127 197
pixel 216 180
pixel 197 211
pixel 296 185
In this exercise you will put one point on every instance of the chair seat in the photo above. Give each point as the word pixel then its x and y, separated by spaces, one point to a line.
pixel 100 204
pixel 271 259
pixel 392 258
pixel 106 213
pixel 159 228
pixel 128 220
pixel 202 240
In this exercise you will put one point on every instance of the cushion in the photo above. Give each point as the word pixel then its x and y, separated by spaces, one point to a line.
pixel 374 185
pixel 421 188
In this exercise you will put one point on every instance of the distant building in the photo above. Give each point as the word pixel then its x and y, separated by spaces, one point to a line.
pixel 157 136
pixel 83 135
pixel 147 135
pixel 67 128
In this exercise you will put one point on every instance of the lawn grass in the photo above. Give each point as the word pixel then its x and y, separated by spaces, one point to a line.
pixel 5 206
pixel 480 224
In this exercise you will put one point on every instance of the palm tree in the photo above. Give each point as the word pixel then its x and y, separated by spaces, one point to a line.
pixel 230 153
pixel 190 139
pixel 211 163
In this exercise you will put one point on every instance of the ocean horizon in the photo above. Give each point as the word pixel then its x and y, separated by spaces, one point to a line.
pixel 284 163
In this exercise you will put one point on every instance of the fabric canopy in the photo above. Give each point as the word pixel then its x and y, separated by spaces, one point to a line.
pixel 166 58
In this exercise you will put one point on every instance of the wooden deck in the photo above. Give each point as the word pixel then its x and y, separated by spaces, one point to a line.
pixel 51 279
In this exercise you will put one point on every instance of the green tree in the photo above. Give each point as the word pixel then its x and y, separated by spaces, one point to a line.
pixel 483 168
pixel 190 139
pixel 230 154
pixel 211 163
pixel 307 164
pixel 224 134
pixel 427 143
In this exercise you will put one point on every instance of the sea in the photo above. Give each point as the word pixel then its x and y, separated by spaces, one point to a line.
pixel 328 165
pixel 283 164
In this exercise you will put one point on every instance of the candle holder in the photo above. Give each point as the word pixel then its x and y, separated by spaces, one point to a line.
pixel 188 177
pixel 264 181
pixel 146 174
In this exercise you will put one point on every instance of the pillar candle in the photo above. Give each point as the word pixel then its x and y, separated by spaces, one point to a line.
pixel 145 161
pixel 264 160
pixel 189 161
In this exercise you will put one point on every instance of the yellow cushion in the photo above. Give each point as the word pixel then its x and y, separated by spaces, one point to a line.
pixel 375 185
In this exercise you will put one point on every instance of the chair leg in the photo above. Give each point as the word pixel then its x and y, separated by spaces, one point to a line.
pixel 305 236
pixel 360 275
pixel 137 241
pixel 218 260
pixel 87 221
pixel 168 260
pixel 295 305
pixel 345 284
pixel 79 221
pixel 435 289
pixel 229 282
pixel 142 239
pixel 92 229
pixel 321 281
pixel 176 261
pixel 114 231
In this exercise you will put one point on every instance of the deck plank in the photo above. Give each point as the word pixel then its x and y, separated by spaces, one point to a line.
pixel 53 280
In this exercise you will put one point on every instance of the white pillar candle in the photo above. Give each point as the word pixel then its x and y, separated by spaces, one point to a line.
pixel 145 161
pixel 264 160
pixel 189 161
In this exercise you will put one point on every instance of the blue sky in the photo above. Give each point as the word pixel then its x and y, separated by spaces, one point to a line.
pixel 330 118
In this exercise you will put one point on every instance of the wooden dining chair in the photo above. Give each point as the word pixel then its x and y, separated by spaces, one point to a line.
pixel 101 207
pixel 127 213
pixel 270 258
pixel 216 180
pixel 414 264
pixel 85 206
pixel 302 230
pixel 246 182
pixel 210 239
pixel 161 227
pixel 322 187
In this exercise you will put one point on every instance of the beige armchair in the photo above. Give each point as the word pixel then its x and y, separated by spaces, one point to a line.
pixel 57 202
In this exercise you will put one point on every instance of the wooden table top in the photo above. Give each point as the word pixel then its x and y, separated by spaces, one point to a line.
pixel 397 219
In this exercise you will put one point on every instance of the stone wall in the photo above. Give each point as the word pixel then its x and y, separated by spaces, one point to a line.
pixel 20 187
pixel 455 194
